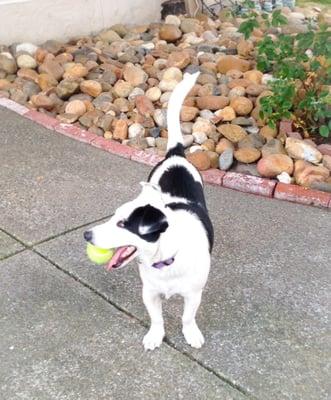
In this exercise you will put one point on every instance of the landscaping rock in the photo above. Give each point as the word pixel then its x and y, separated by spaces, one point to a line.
pixel 7 63
pixel 122 88
pixel 241 105
pixel 76 107
pixel 66 88
pixel 213 157
pixel 199 137
pixel 92 88
pixel 26 61
pixel 120 130
pixel 42 101
pixel 225 159
pixel 268 133
pixel 203 125
pixel 248 169
pixel 226 63
pixel 227 114
pixel 153 94
pixel 254 76
pixel 323 186
pixel 53 68
pixel 274 164
pixel 212 102
pixel 300 150
pixel 325 149
pixel 305 173
pixel 109 36
pixel 188 113
pixel 188 140
pixel 134 75
pixel 136 130
pixel 179 59
pixel 253 140
pixel 160 117
pixel 161 143
pixel 200 160
pixel 190 25
pixel 273 146
pixel 234 133
pixel 222 145
pixel 327 161
pixel 46 82
pixel 247 155
pixel 170 33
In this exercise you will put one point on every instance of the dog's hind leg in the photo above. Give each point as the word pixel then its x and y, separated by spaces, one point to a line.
pixel 153 303
pixel 191 332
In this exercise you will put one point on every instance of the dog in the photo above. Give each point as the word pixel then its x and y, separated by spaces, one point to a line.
pixel 168 229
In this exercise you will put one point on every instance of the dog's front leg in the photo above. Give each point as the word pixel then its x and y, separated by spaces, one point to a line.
pixel 191 332
pixel 153 303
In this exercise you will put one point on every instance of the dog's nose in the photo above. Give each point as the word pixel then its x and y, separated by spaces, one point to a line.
pixel 88 236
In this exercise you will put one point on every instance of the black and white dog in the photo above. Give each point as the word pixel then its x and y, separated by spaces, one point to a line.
pixel 168 229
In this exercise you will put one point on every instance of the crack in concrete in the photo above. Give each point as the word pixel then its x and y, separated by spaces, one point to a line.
pixel 223 378
pixel 55 236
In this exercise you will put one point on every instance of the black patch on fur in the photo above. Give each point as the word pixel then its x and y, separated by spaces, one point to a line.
pixel 178 150
pixel 202 215
pixel 150 217
pixel 178 181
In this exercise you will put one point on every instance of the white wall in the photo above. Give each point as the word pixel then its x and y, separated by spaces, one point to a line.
pixel 39 20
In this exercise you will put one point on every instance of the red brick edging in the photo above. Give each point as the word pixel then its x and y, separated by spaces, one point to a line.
pixel 233 180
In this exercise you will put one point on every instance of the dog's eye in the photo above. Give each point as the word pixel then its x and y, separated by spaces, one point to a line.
pixel 120 223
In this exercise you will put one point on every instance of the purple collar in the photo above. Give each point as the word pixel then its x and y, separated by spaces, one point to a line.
pixel 165 263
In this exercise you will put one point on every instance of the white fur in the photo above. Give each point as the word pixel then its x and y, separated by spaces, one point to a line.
pixel 185 239
pixel 174 106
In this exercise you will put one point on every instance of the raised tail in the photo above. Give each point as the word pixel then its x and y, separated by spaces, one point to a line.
pixel 176 101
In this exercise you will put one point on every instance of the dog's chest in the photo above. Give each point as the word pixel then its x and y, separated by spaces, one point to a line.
pixel 169 281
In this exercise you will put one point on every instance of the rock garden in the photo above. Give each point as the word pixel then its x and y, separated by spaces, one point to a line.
pixel 261 105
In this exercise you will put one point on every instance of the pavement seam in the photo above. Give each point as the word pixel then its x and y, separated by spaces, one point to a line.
pixel 57 235
pixel 12 236
pixel 166 340
pixel 12 254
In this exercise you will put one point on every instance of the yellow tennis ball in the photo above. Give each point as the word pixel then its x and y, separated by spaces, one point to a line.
pixel 98 255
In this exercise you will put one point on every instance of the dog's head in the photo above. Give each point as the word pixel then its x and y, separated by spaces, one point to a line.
pixel 135 228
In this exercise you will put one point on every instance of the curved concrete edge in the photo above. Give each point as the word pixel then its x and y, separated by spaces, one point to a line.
pixel 232 180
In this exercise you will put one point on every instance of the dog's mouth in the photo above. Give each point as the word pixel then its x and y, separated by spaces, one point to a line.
pixel 122 256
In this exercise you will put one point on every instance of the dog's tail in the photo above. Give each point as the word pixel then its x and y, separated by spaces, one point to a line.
pixel 176 101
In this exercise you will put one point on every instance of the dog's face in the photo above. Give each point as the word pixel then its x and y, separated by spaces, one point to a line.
pixel 134 229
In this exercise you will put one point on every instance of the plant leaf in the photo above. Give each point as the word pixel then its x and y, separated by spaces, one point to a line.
pixel 324 131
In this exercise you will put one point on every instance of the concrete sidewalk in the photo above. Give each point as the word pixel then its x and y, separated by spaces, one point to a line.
pixel 70 330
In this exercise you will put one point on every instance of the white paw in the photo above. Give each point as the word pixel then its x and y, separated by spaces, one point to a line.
pixel 153 338
pixel 193 335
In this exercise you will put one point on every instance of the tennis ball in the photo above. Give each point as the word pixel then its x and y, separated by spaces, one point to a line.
pixel 98 255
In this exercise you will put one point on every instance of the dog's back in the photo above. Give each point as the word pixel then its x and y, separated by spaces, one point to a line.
pixel 175 175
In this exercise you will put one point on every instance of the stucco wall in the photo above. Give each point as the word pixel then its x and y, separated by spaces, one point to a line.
pixel 38 20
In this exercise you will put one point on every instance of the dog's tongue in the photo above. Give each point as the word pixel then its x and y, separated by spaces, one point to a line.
pixel 116 257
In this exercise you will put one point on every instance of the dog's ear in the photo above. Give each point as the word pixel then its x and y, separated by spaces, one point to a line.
pixel 153 221
pixel 147 222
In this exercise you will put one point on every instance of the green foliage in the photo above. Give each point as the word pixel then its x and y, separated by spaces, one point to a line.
pixel 278 19
pixel 301 66
pixel 248 26
pixel 279 105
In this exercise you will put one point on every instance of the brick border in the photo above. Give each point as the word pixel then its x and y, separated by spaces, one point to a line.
pixel 232 180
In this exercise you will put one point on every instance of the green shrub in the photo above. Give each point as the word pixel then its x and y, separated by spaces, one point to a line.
pixel 301 68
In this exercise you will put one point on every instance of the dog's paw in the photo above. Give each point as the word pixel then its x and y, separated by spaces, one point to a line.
pixel 153 338
pixel 193 335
